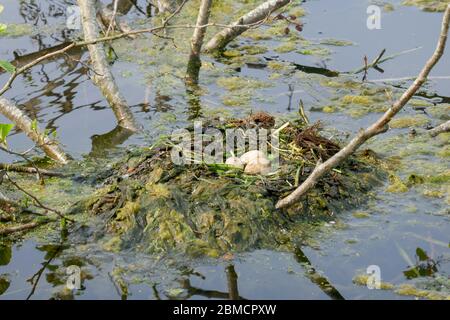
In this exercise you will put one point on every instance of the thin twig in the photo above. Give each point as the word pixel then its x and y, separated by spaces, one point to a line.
pixel 379 60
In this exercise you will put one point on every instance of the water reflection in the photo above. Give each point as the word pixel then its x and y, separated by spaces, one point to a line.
pixel 232 285
pixel 51 253
pixel 101 144
pixel 55 84
pixel 321 281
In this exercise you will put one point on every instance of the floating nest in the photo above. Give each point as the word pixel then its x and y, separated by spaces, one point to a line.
pixel 148 203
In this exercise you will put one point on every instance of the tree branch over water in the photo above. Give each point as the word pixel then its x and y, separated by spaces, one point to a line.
pixel 376 128
pixel 445 127
pixel 24 123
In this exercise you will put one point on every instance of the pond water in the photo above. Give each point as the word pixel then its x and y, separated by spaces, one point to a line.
pixel 405 234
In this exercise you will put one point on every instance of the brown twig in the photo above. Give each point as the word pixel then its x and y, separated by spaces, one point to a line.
pixel 10 110
pixel 376 128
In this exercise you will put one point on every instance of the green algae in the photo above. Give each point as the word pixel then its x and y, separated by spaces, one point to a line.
pixel 440 111
pixel 388 7
pixel 361 100
pixel 420 103
pixel 286 47
pixel 239 83
pixel 238 99
pixel 297 12
pixel 253 49
pixel 328 109
pixel 428 5
pixel 433 193
pixel 361 215
pixel 396 185
pixel 410 290
pixel 208 210
pixel 232 53
pixel 275 76
pixel 314 51
pixel 414 179
pixel 406 289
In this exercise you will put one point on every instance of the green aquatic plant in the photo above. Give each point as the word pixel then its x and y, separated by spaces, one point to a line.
pixel 396 185
pixel 212 209
pixel 427 5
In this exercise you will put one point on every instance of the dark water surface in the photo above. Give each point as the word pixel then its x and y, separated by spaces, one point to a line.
pixel 399 227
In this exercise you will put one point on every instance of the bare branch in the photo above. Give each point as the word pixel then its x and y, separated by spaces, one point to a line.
pixel 103 77
pixel 376 128
pixel 37 201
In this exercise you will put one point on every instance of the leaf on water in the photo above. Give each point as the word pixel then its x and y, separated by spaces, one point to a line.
pixel 4 285
pixel 34 125
pixel 5 65
pixel 421 254
pixel 5 128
